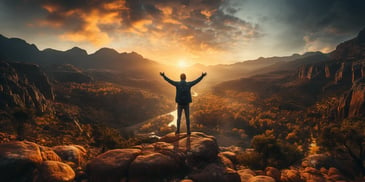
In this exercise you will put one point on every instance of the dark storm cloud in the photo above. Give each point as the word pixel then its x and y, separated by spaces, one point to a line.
pixel 198 24
pixel 324 23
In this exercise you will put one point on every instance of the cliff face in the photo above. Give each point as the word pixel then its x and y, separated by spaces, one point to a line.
pixel 353 103
pixel 24 86
pixel 346 69
pixel 335 71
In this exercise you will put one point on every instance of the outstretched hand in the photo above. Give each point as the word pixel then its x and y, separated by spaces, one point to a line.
pixel 162 73
pixel 204 74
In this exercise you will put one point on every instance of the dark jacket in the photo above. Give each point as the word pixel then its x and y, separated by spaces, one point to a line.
pixel 183 95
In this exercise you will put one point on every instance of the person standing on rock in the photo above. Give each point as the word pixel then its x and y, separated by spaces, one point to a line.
pixel 183 97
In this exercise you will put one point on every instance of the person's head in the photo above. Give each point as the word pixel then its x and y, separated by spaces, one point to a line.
pixel 183 76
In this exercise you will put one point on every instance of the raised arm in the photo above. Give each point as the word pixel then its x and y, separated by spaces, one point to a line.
pixel 198 79
pixel 168 79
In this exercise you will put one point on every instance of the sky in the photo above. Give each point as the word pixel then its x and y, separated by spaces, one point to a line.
pixel 185 31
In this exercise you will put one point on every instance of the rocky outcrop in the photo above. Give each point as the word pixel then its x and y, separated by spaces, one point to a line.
pixel 335 72
pixel 24 86
pixel 352 49
pixel 112 165
pixel 54 171
pixel 347 63
pixel 28 161
pixel 353 103
pixel 172 157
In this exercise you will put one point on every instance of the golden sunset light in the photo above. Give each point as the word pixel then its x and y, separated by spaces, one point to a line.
pixel 217 32
pixel 182 90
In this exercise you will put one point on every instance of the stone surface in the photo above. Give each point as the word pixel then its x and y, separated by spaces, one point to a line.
pixel 18 160
pixel 48 154
pixel 112 165
pixel 24 86
pixel 246 174
pixel 273 172
pixel 215 173
pixel 290 175
pixel 71 153
pixel 54 171
pixel 261 178
pixel 153 166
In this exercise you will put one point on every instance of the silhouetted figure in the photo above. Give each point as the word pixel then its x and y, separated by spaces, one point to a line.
pixel 183 97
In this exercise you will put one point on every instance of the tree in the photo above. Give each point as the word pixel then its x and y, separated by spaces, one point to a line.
pixel 275 152
pixel 347 137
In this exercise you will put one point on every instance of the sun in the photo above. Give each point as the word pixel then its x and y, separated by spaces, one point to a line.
pixel 182 64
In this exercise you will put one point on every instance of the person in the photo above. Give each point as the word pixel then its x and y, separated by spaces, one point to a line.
pixel 183 97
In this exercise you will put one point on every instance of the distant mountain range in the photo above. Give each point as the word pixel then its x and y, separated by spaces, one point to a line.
pixel 14 49
pixel 302 82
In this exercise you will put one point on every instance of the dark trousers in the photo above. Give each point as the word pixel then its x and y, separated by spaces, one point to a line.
pixel 180 108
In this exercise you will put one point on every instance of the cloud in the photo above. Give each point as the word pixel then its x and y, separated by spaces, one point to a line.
pixel 196 24
pixel 324 24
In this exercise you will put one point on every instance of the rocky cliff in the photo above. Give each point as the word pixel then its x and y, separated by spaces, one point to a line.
pixel 345 70
pixel 175 158
pixel 24 86
pixel 353 103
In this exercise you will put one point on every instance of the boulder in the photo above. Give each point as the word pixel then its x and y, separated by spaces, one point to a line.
pixel 290 175
pixel 72 154
pixel 18 160
pixel 49 154
pixel 313 174
pixel 246 174
pixel 153 166
pixel 112 165
pixel 230 155
pixel 335 175
pixel 215 173
pixel 54 171
pixel 273 172
pixel 261 178
pixel 200 146
pixel 225 161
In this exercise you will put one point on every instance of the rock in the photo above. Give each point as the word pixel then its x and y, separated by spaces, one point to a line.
pixel 352 103
pixel 186 180
pixel 54 171
pixel 333 171
pixel 24 86
pixel 290 175
pixel 112 165
pixel 261 178
pixel 230 155
pixel 226 162
pixel 335 175
pixel 200 146
pixel 273 172
pixel 323 170
pixel 215 173
pixel 71 153
pixel 313 174
pixel 260 172
pixel 153 166
pixel 49 154
pixel 18 160
pixel 246 174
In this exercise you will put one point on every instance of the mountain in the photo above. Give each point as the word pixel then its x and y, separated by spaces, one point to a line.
pixel 305 81
pixel 104 58
pixel 24 86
